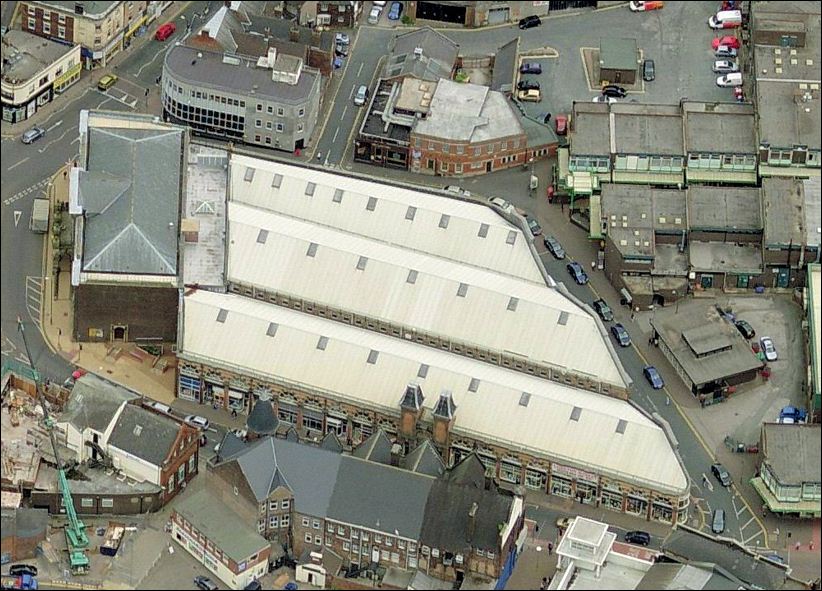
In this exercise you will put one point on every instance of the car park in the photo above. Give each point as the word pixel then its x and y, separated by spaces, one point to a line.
pixel 530 68
pixel 554 247
pixel 768 348
pixel 562 124
pixel 17 570
pixel 745 328
pixel 725 66
pixel 107 82
pixel 645 6
pixel 534 226
pixel 577 272
pixel 205 583
pixel 621 335
pixel 457 190
pixel 502 204
pixel 724 51
pixel 603 310
pixel 642 538
pixel 614 91
pixel 529 22
pixel 531 96
pixel 727 41
pixel 654 378
pixel 604 99
pixel 648 70
pixel 527 85
pixel 721 474
pixel 197 421
pixel 718 521
pixel 361 95
pixel 342 38
pixel 732 79
pixel 165 31
pixel 32 135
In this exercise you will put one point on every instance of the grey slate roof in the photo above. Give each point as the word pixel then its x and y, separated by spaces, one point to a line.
pixel 379 497
pixel 376 448
pixel 93 403
pixel 130 195
pixel 445 405
pixel 218 523
pixel 413 397
pixel 439 54
pixel 230 446
pixel 262 419
pixel 505 66
pixel 331 442
pixel 425 459
pixel 144 434
pixel 469 471
pixel 455 501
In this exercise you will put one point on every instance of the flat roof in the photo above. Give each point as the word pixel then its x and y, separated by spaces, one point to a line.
pixel 380 121
pixel 815 321
pixel 724 208
pixel 468 113
pixel 724 257
pixel 25 55
pixel 370 369
pixel 783 205
pixel 647 129
pixel 707 333
pixel 618 54
pixel 207 68
pixel 590 131
pixel 813 210
pixel 669 260
pixel 720 128
pixel 793 452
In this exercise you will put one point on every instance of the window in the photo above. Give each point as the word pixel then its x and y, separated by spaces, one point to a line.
pixel 300 127
pixel 261 526
pixel 107 503
pixel 301 113
pixel 307 538
pixel 259 108
pixel 306 521
pixel 258 123
pixel 318 540
pixel 272 505
pixel 286 504
pixel 268 124
pixel 280 111
pixel 315 524
pixel 257 138
pixel 61 32
pixel 31 24
pixel 330 528
pixel 86 502
pixel 340 530
pixel 346 546
pixel 47 28
pixel 389 542
pixel 377 539
pixel 171 483
pixel 273 521
pixel 270 109
pixel 280 128
pixel 384 555
pixel 277 181
pixel 285 520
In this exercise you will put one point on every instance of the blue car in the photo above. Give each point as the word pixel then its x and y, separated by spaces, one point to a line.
pixel 621 335
pixel 395 12
pixel 576 271
pixel 653 377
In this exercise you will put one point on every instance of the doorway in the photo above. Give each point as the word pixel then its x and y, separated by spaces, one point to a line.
pixel 119 332
pixel 488 166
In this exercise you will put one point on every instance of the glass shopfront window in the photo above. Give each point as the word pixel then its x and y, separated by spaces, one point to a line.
pixel 586 492
pixel 636 505
pixel 535 478
pixel 612 499
pixel 560 486
pixel 661 511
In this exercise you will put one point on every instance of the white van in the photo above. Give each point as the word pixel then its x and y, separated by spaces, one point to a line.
pixel 158 406
pixel 732 79
pixel 374 17
pixel 726 19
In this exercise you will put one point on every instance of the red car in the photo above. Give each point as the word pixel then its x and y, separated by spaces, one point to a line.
pixel 727 40
pixel 562 124
pixel 165 31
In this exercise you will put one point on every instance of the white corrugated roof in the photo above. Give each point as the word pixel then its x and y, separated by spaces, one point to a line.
pixel 270 251
pixel 640 454
pixel 459 241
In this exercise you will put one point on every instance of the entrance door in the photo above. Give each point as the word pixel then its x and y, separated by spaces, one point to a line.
pixel 782 278
pixel 375 555
pixel 707 281
pixel 488 166
pixel 118 332
pixel 498 16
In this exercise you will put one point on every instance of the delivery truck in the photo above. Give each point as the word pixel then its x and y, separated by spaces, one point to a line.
pixel 40 216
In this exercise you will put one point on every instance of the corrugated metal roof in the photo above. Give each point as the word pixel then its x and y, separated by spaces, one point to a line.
pixel 642 454
pixel 387 222
pixel 431 303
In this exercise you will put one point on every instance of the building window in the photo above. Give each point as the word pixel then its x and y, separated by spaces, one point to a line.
pixel 259 108
pixel 315 524
pixel 286 504
pixel 318 540
pixel 107 503
pixel 272 505
pixel 171 482
pixel 446 148
pixel 346 546
pixel 31 24
pixel 328 540
pixel 301 112
pixel 384 555
pixel 401 544
pixel 280 127
pixel 273 521
pixel 307 538
pixel 258 123
pixel 47 28
pixel 280 111
pixel 285 520
pixel 261 526
pixel 257 139
pixel 300 127
pixel 340 530
pixel 268 124
pixel 330 528
pixel 86 502
pixel 61 32
pixel 270 109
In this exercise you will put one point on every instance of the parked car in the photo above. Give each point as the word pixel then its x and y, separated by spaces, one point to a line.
pixel 727 41
pixel 342 38
pixel 604 99
pixel 361 95
pixel 531 96
pixel 621 335
pixel 107 82
pixel 721 474
pixel 341 50
pixel 529 22
pixel 648 70
pixel 534 226
pixel 577 272
pixel 563 523
pixel 502 204
pixel 791 414
pixel 554 247
pixel 205 583
pixel 645 6
pixel 197 421
pixel 652 375
pixel 726 19
pixel 32 135
pixel 17 570
pixel 562 124
pixel 254 585
pixel 725 66
pixel 746 329
pixel 395 11
pixel 527 85
pixel 530 68
pixel 158 406
pixel 603 310
pixel 457 190
pixel 768 348
pixel 718 521
pixel 724 51
pixel 732 79
pixel 165 31
pixel 374 15
pixel 614 91
pixel 642 538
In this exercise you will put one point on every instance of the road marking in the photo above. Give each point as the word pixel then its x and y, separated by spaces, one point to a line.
pixel 75 140
pixel 360 70
pixel 345 109
pixel 22 193
pixel 17 214
pixel 746 524
pixel 34 283
pixel 18 163
pixel 58 124
pixel 336 132
pixel 57 139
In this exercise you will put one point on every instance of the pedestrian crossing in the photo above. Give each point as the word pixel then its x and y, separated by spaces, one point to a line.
pixel 34 299
pixel 20 194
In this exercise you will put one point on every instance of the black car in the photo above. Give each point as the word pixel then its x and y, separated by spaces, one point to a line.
pixel 603 310
pixel 341 50
pixel 254 585
pixel 722 474
pixel 534 226
pixel 642 538
pixel 529 22
pixel 621 335
pixel 614 91
pixel 530 68
pixel 205 583
pixel 527 85
pixel 718 521
pixel 576 271
pixel 554 247
pixel 746 329
pixel 648 70
pixel 17 570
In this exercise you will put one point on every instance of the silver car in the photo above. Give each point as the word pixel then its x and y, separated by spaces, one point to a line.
pixel 361 95
pixel 32 135
pixel 725 51
pixel 725 66
pixel 768 348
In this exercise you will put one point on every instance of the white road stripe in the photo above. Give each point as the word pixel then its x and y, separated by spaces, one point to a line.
pixel 18 163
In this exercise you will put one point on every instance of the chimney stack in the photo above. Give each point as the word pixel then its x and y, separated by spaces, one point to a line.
pixel 472 522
